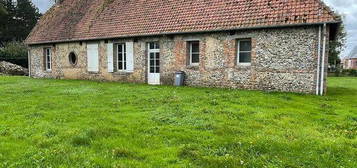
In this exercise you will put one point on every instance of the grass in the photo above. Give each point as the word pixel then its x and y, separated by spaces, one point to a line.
pixel 67 123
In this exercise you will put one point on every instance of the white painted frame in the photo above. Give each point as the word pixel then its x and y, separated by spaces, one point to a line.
pixel 191 52
pixel 153 78
pixel 238 52
pixel 124 69
pixel 110 60
pixel 48 59
pixel 93 57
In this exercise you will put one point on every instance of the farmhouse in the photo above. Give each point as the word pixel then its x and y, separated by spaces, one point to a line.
pixel 279 45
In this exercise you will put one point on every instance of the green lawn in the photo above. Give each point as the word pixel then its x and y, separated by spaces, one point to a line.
pixel 67 123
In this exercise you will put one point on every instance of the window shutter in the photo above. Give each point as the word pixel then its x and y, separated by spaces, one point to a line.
pixel 92 57
pixel 130 56
pixel 110 57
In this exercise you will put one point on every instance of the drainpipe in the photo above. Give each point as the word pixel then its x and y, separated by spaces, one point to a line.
pixel 323 61
pixel 318 63
pixel 29 61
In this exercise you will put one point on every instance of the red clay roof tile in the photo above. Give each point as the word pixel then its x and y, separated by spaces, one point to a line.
pixel 98 19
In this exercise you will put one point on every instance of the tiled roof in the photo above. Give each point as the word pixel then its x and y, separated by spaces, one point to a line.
pixel 98 19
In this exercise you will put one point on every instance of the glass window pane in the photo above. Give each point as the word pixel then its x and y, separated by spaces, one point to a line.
pixel 195 58
pixel 157 63
pixel 152 45
pixel 124 68
pixel 157 46
pixel 152 70
pixel 120 57
pixel 152 55
pixel 245 45
pixel 120 66
pixel 157 69
pixel 120 49
pixel 195 47
pixel 157 55
pixel 244 57
pixel 152 62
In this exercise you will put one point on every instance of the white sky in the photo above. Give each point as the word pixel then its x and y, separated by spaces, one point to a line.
pixel 347 8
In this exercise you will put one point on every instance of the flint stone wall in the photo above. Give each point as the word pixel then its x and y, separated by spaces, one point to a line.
pixel 283 59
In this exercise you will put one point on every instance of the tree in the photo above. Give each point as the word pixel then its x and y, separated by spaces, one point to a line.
pixel 19 20
pixel 6 21
pixel 3 11
pixel 27 16
pixel 337 46
pixel 14 52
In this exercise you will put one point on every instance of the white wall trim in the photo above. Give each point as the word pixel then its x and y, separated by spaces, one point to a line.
pixel 323 61
pixel 318 63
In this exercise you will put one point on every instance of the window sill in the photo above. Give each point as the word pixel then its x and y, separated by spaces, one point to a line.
pixel 193 66
pixel 244 64
pixel 93 72
pixel 122 73
pixel 48 71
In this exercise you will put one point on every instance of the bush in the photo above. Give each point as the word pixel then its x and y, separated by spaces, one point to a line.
pixel 344 73
pixel 14 52
pixel 350 72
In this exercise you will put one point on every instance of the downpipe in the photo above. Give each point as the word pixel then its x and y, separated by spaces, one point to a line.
pixel 323 61
pixel 318 63
pixel 29 61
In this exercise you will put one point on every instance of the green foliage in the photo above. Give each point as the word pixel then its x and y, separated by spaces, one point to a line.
pixel 337 46
pixel 349 72
pixel 18 21
pixel 71 123
pixel 13 50
pixel 3 11
pixel 345 73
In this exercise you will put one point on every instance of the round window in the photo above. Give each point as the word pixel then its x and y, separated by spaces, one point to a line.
pixel 72 58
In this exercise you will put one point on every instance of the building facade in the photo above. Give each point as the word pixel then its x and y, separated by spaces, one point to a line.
pixel 288 58
pixel 350 63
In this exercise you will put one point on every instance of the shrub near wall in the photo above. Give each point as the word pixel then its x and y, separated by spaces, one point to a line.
pixel 350 72
pixel 344 73
pixel 14 52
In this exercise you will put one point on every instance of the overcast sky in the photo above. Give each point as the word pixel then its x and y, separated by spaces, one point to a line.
pixel 348 8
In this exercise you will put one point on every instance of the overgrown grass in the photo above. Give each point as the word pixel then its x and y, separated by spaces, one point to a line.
pixel 66 123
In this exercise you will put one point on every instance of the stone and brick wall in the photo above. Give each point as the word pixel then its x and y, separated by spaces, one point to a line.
pixel 283 59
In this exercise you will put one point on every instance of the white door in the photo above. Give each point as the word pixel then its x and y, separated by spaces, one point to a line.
pixel 92 57
pixel 154 63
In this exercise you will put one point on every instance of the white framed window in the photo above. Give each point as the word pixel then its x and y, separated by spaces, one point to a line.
pixel 194 52
pixel 48 59
pixel 154 46
pixel 244 51
pixel 121 57
pixel 154 57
